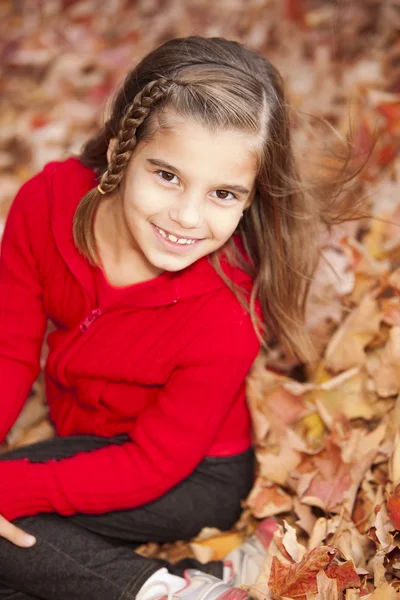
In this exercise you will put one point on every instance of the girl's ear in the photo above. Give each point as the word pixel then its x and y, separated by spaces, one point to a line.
pixel 110 149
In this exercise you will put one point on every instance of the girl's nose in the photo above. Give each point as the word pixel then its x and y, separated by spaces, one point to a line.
pixel 188 215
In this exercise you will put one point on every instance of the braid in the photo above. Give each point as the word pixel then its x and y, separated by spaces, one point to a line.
pixel 134 116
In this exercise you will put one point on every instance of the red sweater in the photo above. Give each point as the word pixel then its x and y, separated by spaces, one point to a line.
pixel 163 361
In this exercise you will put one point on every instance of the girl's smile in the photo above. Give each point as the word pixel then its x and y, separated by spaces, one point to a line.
pixel 182 197
pixel 176 243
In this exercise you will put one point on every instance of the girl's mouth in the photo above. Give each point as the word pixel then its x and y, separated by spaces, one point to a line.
pixel 178 245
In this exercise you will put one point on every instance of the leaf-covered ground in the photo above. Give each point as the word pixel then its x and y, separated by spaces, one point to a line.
pixel 327 434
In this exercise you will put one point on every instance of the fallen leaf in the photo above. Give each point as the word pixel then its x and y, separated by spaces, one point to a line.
pixel 266 500
pixel 384 592
pixel 393 507
pixel 327 587
pixel 294 581
pixel 220 545
pixel 346 348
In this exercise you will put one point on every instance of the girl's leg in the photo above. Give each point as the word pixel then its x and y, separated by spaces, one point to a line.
pixel 8 594
pixel 70 563
pixel 210 496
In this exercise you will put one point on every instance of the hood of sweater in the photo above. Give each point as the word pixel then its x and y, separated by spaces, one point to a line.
pixel 67 182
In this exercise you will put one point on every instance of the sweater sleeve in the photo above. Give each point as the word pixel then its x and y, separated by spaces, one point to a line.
pixel 187 418
pixel 22 317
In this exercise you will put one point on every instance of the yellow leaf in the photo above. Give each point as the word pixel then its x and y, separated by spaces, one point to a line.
pixel 346 348
pixel 220 545
pixel 384 592
pixel 311 428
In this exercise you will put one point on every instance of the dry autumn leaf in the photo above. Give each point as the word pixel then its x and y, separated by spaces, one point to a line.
pixel 393 507
pixel 294 581
pixel 346 348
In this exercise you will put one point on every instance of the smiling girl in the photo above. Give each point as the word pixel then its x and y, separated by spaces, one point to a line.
pixel 174 207
pixel 165 255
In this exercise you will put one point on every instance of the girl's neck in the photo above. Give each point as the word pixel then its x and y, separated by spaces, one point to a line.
pixel 111 233
pixel 122 261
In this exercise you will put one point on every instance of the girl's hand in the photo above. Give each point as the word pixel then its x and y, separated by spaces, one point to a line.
pixel 13 534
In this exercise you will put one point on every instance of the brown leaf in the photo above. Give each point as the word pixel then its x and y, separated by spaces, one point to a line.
pixel 384 592
pixel 344 574
pixel 346 348
pixel 384 365
pixel 296 580
pixel 393 507
pixel 266 500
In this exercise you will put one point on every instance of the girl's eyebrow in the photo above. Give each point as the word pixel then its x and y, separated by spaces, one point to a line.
pixel 163 165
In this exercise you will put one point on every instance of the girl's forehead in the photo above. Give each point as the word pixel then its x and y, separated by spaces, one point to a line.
pixel 191 144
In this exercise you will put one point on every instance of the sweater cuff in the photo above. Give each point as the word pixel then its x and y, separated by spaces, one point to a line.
pixel 25 488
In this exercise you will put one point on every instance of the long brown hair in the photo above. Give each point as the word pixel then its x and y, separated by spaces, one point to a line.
pixel 223 85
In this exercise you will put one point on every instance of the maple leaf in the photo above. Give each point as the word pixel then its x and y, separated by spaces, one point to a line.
pixel 384 592
pixel 326 489
pixel 393 507
pixel 296 580
pixel 345 574
pixel 266 500
pixel 346 348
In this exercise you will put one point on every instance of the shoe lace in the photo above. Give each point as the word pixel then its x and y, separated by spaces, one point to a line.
pixel 170 592
pixel 243 568
pixel 152 584
pixel 215 585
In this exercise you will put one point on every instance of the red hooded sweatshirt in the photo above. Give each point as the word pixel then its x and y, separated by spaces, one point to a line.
pixel 163 361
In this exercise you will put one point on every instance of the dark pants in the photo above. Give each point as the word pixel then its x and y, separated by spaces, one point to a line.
pixel 90 557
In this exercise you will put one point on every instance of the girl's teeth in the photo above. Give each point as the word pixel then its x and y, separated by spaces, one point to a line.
pixel 174 238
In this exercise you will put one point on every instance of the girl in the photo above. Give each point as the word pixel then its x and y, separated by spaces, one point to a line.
pixel 175 245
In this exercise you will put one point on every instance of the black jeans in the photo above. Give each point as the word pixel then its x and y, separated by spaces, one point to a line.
pixel 91 557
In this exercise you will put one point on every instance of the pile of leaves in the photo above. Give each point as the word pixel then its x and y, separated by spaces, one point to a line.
pixel 327 494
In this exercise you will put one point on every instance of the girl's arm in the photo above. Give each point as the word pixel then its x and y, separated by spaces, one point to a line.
pixel 22 317
pixel 170 438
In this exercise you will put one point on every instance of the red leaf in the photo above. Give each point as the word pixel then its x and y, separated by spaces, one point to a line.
pixel 296 580
pixel 294 11
pixel 344 574
pixel 387 153
pixel 393 507
pixel 391 110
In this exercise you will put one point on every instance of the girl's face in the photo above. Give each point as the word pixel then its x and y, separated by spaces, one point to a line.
pixel 184 192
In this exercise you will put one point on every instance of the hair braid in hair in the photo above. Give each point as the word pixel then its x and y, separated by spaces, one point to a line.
pixel 134 116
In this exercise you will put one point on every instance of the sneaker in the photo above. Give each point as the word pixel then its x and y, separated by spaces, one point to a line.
pixel 246 562
pixel 200 586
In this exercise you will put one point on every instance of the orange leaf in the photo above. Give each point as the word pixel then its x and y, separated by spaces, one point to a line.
pixel 393 507
pixel 390 111
pixel 294 11
pixel 344 574
pixel 266 500
pixel 387 153
pixel 296 580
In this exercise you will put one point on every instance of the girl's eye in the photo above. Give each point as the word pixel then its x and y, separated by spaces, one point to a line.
pixel 220 194
pixel 225 195
pixel 166 175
